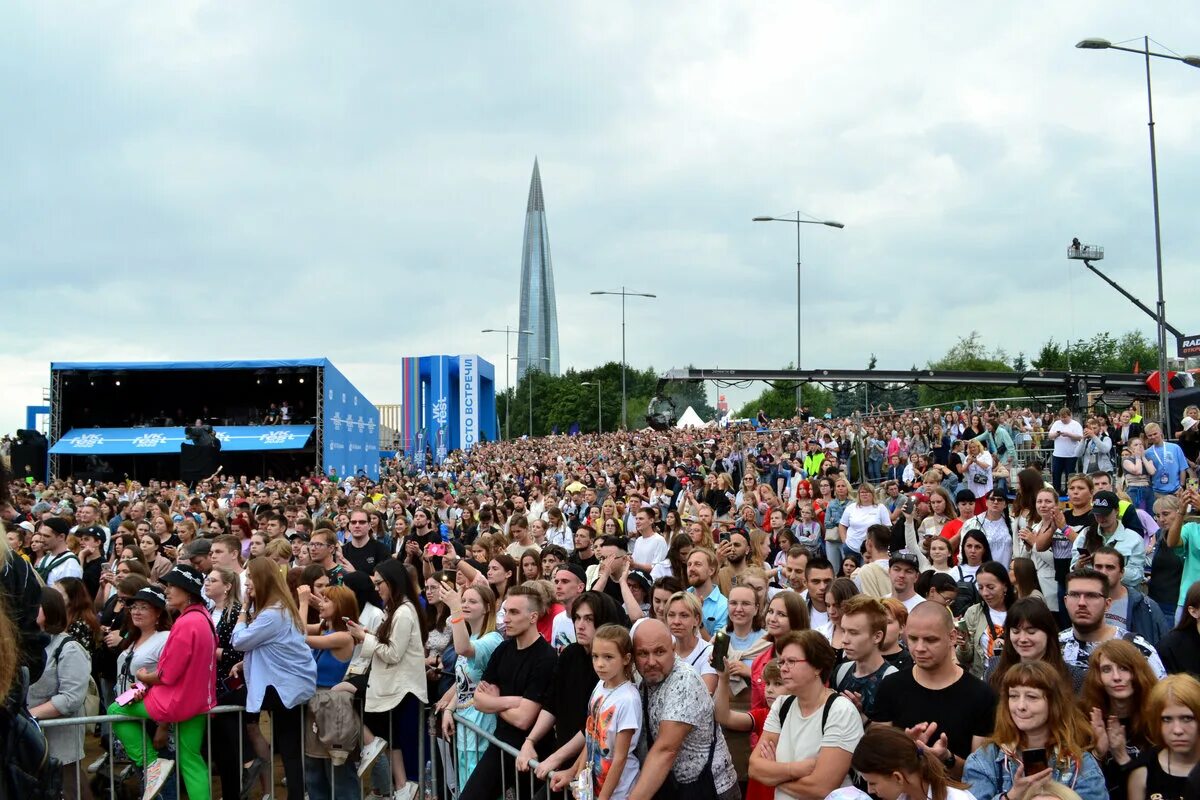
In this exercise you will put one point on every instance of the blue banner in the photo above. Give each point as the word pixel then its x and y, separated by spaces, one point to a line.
pixel 134 441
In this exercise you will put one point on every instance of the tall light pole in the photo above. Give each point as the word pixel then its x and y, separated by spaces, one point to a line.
pixel 508 332
pixel 599 407
pixel 624 399
pixel 1191 61
pixel 529 377
pixel 798 221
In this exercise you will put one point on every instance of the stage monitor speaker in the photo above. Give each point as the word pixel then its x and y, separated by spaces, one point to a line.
pixel 28 459
pixel 1177 401
pixel 197 462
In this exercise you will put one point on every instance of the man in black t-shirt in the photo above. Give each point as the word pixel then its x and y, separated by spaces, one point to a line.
pixel 362 550
pixel 938 704
pixel 514 687
pixel 584 553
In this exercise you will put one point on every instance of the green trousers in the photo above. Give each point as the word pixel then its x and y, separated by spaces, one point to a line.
pixel 189 736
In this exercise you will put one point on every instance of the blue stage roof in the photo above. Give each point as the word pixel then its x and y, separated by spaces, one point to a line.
pixel 144 441
pixel 102 366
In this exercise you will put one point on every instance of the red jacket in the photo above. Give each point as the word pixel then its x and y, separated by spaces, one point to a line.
pixel 187 669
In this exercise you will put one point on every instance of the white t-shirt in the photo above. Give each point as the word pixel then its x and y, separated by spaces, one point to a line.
pixel 649 549
pixel 913 601
pixel 998 618
pixel 1064 447
pixel 858 518
pixel 985 472
pixel 699 658
pixel 801 737
pixel 66 565
pixel 611 711
pixel 563 631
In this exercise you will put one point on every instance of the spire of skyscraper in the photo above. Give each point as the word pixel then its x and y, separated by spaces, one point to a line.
pixel 539 310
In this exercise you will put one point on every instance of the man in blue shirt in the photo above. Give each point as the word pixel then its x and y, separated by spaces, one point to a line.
pixel 701 569
pixel 1170 465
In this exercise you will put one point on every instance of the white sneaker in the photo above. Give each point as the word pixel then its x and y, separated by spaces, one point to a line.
pixel 407 793
pixel 370 752
pixel 95 766
pixel 156 777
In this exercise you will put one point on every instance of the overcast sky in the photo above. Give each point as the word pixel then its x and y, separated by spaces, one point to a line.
pixel 191 180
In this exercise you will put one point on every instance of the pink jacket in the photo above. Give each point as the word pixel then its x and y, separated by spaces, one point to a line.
pixel 187 669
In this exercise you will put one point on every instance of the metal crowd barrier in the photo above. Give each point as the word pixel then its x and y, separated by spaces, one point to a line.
pixel 381 772
pixel 509 750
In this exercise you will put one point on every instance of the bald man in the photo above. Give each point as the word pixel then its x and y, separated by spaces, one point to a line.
pixel 680 714
pixel 937 703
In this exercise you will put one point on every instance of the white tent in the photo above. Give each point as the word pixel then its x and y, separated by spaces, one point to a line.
pixel 690 419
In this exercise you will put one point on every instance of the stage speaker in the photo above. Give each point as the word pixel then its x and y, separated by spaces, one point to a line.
pixel 27 454
pixel 197 462
pixel 1177 401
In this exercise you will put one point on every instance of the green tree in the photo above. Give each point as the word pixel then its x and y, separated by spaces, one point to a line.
pixel 968 354
pixel 778 401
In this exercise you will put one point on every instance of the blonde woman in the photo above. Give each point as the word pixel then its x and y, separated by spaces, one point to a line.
pixel 684 617
pixel 858 516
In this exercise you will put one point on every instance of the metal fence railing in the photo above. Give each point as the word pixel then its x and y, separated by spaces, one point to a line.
pixel 115 776
pixel 437 778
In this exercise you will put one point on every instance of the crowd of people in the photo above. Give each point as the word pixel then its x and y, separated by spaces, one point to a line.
pixel 736 613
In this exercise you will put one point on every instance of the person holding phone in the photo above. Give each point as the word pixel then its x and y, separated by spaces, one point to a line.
pixel 279 670
pixel 396 686
pixel 1039 733
pixel 179 690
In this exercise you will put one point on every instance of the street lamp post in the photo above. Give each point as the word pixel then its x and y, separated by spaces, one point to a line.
pixel 529 377
pixel 599 407
pixel 508 332
pixel 623 294
pixel 1191 61
pixel 798 221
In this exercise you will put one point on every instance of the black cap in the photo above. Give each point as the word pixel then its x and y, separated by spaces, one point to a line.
pixel 97 532
pixel 152 595
pixel 905 557
pixel 298 535
pixel 186 577
pixel 57 524
pixel 575 570
pixel 1104 502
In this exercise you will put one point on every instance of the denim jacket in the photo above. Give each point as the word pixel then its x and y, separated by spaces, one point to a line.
pixel 989 772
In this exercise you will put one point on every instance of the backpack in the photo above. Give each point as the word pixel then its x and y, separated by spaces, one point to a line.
pixel 791 698
pixel 845 669
pixel 91 699
pixel 855 778
pixel 967 595
pixel 29 772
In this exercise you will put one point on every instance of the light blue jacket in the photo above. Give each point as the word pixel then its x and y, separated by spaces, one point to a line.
pixel 276 655
pixel 989 772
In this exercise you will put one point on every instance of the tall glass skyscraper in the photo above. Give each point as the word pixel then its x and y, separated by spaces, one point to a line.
pixel 539 311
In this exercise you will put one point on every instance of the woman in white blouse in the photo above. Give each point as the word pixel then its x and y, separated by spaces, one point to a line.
pixel 859 516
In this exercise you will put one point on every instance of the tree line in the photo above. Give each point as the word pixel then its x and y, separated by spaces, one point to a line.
pixel 563 401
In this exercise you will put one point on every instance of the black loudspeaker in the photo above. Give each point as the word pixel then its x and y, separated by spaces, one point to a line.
pixel 197 462
pixel 28 459
pixel 1177 401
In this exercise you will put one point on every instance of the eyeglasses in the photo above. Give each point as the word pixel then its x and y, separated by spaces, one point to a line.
pixel 792 662
pixel 358 522
pixel 1091 597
